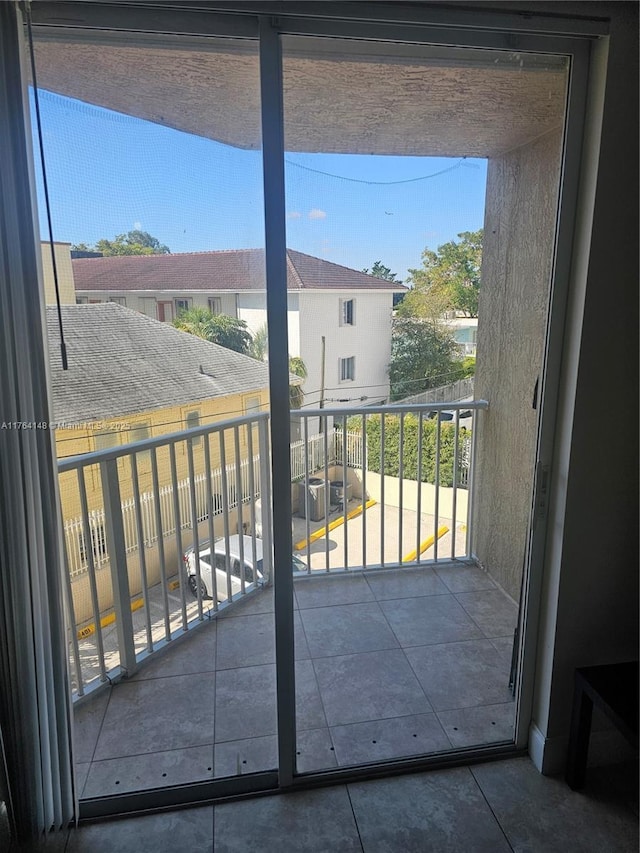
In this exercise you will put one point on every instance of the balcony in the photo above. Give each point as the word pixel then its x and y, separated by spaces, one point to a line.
pixel 403 644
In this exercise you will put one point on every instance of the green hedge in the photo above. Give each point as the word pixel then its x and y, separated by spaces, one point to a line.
pixel 409 450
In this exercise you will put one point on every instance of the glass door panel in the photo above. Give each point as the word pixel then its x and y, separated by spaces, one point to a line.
pixel 421 193
pixel 152 149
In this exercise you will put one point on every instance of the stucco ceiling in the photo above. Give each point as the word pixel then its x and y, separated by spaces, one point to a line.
pixel 362 98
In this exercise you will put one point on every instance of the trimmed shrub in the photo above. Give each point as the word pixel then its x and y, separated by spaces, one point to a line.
pixel 401 442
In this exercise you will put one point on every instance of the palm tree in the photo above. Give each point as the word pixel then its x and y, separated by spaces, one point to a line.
pixel 220 329
pixel 296 394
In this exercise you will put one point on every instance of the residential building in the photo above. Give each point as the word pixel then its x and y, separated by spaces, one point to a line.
pixel 350 310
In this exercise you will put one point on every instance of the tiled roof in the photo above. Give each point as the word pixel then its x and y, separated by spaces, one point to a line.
pixel 234 270
pixel 122 362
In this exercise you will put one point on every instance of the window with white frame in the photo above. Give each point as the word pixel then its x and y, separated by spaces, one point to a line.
pixel 182 305
pixel 347 368
pixel 347 312
pixel 119 300
pixel 215 304
pixel 106 438
pixel 81 300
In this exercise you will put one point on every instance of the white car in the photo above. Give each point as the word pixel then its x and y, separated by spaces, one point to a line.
pixel 216 561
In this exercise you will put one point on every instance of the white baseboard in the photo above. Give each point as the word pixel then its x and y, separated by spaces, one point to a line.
pixel 549 755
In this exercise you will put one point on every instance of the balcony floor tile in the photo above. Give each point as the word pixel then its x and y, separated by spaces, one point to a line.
pixel 158 714
pixel 369 686
pixel 429 620
pixel 398 737
pixel 192 653
pixel 443 812
pixel 475 726
pixel 88 718
pixel 150 770
pixel 405 583
pixel 252 755
pixel 327 591
pixel 246 641
pixel 346 629
pixel 461 675
pixel 491 610
pixel 464 578
pixel 309 708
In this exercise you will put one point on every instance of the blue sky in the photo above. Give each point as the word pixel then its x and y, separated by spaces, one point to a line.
pixel 109 173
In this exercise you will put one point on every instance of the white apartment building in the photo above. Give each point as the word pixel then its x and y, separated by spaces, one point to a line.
pixel 349 309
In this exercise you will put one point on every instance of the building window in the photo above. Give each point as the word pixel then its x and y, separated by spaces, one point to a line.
pixel 192 419
pixel 215 304
pixel 148 306
pixel 119 300
pixel 347 312
pixel 347 368
pixel 81 300
pixel 139 432
pixel 165 312
pixel 106 438
pixel 182 305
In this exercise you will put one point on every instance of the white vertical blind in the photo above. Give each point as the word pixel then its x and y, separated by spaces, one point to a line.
pixel 34 692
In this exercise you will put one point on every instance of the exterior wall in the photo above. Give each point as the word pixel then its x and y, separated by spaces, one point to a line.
pixel 522 189
pixel 368 340
pixel 67 291
pixel 73 442
pixel 252 308
pixel 134 299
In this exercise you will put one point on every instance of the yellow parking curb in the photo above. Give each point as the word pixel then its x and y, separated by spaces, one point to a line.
pixel 322 531
pixel 109 619
pixel 427 543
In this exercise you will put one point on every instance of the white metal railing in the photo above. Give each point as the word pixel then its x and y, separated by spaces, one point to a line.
pixel 391 477
pixel 392 482
pixel 122 556
pixel 78 543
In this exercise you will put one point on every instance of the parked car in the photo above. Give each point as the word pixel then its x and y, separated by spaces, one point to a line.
pixel 215 560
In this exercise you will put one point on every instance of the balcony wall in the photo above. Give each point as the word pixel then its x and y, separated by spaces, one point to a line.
pixel 522 195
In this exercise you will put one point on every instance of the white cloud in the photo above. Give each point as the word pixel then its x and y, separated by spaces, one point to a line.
pixel 294 214
pixel 316 213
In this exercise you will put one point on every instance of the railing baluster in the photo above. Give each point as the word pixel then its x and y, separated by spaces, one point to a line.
pixel 160 540
pixel 178 531
pixel 363 468
pixel 239 499
pixel 327 492
pixel 265 499
pixel 141 551
pixel 225 520
pixel 306 489
pixel 93 587
pixel 73 630
pixel 210 511
pixel 252 503
pixel 400 485
pixel 454 495
pixel 194 526
pixel 382 468
pixel 118 560
pixel 345 501
pixel 419 484
pixel 436 508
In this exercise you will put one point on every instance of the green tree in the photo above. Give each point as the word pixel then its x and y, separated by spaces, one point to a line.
pixel 379 270
pixel 260 344
pixel 449 279
pixel 220 329
pixel 296 394
pixel 132 243
pixel 423 355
